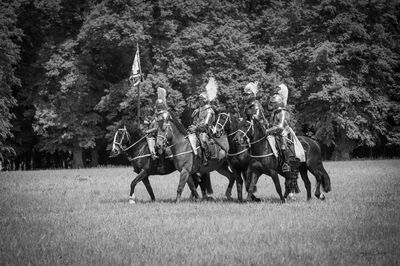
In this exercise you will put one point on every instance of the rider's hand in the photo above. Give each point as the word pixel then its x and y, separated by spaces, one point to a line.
pixel 192 128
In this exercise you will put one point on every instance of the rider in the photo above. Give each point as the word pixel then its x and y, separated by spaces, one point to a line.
pixel 253 109
pixel 203 119
pixel 279 120
pixel 161 113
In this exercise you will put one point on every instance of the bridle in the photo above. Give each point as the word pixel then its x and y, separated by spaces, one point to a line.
pixel 167 144
pixel 250 143
pixel 124 133
pixel 218 125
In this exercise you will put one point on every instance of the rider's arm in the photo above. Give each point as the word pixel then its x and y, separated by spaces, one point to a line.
pixel 279 126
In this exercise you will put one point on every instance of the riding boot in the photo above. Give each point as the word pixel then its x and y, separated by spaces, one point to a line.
pixel 285 165
pixel 206 153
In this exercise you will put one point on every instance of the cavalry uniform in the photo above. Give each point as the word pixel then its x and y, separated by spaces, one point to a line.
pixel 161 114
pixel 279 121
pixel 203 120
pixel 253 108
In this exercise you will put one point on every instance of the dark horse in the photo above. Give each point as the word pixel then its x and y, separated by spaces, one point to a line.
pixel 264 161
pixel 131 141
pixel 186 162
pixel 239 154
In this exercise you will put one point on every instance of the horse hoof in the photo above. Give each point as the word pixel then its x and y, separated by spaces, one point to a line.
pixel 322 197
pixel 291 196
pixel 255 199
pixel 132 201
pixel 283 200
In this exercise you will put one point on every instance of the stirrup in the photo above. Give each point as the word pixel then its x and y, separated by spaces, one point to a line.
pixel 285 167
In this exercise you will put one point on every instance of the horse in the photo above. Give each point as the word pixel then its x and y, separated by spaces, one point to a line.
pixel 174 135
pixel 132 142
pixel 238 154
pixel 253 133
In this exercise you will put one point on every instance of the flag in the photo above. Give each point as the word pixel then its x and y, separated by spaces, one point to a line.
pixel 136 74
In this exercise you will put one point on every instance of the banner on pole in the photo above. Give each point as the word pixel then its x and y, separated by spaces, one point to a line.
pixel 136 73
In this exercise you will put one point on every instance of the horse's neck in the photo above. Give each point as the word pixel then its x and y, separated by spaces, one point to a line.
pixel 139 147
pixel 260 138
pixel 177 136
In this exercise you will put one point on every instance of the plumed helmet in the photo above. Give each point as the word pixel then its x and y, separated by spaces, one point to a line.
pixel 160 105
pixel 276 101
pixel 204 96
pixel 283 92
pixel 251 88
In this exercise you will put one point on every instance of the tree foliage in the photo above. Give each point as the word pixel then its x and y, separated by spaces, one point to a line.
pixel 340 60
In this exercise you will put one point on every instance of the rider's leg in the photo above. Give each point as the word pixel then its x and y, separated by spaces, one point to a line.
pixel 204 145
pixel 193 141
pixel 151 142
pixel 285 151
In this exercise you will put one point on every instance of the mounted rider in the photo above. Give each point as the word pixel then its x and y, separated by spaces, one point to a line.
pixel 253 109
pixel 160 114
pixel 280 119
pixel 203 120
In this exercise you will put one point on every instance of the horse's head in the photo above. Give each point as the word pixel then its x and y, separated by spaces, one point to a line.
pixel 120 141
pixel 222 125
pixel 244 133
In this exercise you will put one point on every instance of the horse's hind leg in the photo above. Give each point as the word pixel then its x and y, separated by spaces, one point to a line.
pixel 318 178
pixel 184 177
pixel 142 175
pixel 303 172
pixel 147 184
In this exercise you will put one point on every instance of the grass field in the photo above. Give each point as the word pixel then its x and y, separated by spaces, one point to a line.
pixel 82 217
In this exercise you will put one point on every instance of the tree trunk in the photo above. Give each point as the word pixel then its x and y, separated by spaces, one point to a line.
pixel 95 157
pixel 344 146
pixel 78 158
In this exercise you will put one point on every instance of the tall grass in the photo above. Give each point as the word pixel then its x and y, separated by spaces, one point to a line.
pixel 81 217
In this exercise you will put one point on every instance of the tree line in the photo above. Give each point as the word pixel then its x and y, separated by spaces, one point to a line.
pixel 65 64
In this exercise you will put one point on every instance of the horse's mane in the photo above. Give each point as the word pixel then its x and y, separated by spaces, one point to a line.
pixel 134 130
pixel 178 123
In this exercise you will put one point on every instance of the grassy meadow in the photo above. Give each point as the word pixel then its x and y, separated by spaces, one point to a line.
pixel 82 217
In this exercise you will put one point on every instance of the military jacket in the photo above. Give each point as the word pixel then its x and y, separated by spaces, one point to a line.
pixel 280 118
pixel 254 110
pixel 204 116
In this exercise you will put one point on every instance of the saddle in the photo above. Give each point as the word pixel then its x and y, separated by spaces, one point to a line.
pixel 218 147
pixel 294 146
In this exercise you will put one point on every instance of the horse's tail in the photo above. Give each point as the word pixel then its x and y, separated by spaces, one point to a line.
pixel 314 160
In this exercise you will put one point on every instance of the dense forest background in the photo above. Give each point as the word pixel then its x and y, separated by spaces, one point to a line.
pixel 65 64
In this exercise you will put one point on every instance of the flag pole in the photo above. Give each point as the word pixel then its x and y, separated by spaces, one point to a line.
pixel 138 103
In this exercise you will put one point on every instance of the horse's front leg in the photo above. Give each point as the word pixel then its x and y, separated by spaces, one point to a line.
pixel 142 175
pixel 147 184
pixel 184 176
pixel 275 178
pixel 224 170
pixel 253 175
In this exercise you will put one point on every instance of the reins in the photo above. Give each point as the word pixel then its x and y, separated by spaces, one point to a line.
pixel 254 142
